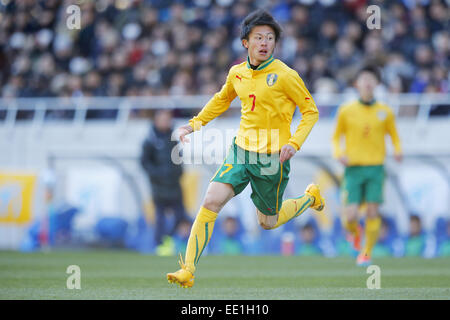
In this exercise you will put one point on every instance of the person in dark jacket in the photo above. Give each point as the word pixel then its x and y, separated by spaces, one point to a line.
pixel 164 175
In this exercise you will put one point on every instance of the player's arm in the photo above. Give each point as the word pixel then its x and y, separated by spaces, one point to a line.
pixel 300 95
pixel 339 131
pixel 217 105
pixel 392 131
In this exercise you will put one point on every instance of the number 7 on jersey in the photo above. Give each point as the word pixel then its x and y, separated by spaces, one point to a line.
pixel 254 101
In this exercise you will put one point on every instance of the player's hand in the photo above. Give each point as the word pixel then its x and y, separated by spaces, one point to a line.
pixel 183 131
pixel 344 160
pixel 287 152
pixel 398 157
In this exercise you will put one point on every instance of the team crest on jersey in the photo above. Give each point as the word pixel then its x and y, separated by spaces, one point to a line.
pixel 381 115
pixel 271 79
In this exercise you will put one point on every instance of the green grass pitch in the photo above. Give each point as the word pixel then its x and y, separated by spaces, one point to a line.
pixel 130 275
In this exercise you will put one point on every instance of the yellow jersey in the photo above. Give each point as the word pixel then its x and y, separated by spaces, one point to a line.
pixel 364 127
pixel 269 95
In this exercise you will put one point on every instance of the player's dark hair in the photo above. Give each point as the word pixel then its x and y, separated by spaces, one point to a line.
pixel 414 217
pixel 372 69
pixel 259 17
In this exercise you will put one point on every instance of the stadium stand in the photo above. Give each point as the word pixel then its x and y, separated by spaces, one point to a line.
pixel 147 48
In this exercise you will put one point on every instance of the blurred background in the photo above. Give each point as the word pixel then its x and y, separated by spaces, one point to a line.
pixel 85 150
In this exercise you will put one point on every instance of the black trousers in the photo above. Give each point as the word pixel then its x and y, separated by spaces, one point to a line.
pixel 162 209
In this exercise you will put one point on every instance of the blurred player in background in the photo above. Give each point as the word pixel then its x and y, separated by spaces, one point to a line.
pixel 364 124
pixel 269 91
pixel 164 176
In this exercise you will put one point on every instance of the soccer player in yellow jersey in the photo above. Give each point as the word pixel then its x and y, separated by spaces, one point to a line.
pixel 364 124
pixel 269 91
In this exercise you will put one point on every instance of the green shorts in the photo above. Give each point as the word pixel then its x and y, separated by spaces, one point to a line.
pixel 266 176
pixel 363 184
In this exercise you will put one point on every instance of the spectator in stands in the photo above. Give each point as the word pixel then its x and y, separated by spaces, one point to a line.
pixel 308 241
pixel 230 243
pixel 164 175
pixel 444 246
pixel 415 243
pixel 181 236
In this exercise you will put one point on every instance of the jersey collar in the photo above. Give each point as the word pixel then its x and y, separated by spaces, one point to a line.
pixel 262 65
pixel 369 104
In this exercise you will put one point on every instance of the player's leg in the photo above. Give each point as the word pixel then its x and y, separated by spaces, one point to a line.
pixel 374 197
pixel 292 208
pixel 350 219
pixel 265 221
pixel 372 229
pixel 268 192
pixel 229 180
pixel 351 225
pixel 268 181
pixel 217 195
pixel 352 189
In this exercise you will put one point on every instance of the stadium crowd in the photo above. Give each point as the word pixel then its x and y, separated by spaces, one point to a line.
pixel 156 47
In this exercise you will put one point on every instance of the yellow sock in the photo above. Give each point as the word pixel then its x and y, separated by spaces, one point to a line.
pixel 201 232
pixel 351 226
pixel 292 208
pixel 372 230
